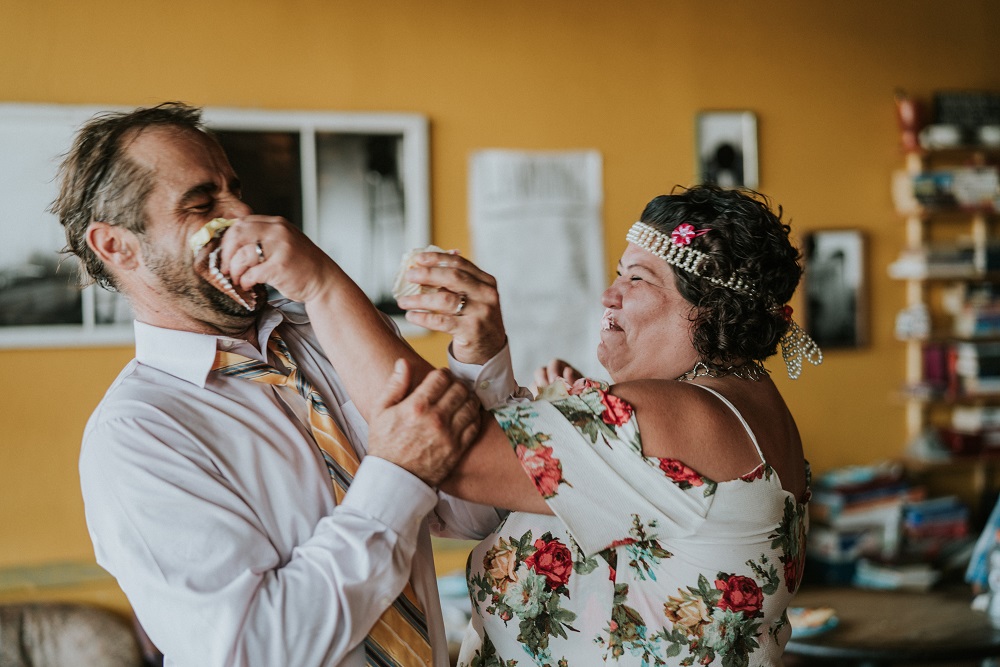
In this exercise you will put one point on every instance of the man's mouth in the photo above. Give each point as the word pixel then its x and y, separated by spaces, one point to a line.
pixel 221 282
pixel 205 245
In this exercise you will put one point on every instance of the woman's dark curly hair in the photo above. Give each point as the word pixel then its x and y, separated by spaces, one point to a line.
pixel 733 331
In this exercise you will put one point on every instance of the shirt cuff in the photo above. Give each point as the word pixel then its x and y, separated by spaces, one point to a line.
pixel 389 494
pixel 493 382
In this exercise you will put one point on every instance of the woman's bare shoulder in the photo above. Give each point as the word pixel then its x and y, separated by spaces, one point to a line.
pixel 682 421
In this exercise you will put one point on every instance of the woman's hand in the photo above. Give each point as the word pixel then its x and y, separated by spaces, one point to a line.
pixel 556 370
pixel 260 249
pixel 467 306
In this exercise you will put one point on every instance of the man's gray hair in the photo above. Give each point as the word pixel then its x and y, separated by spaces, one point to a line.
pixel 99 183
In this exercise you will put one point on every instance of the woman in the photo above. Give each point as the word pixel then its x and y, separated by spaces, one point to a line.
pixel 679 542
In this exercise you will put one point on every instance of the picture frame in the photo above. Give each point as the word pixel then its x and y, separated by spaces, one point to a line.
pixel 726 148
pixel 835 280
pixel 356 183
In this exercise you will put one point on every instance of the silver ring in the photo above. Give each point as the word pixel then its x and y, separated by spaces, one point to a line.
pixel 461 305
pixel 260 253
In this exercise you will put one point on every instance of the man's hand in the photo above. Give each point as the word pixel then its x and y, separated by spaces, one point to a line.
pixel 427 431
pixel 261 249
pixel 468 306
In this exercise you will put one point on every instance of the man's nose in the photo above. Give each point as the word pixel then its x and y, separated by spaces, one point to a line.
pixel 236 208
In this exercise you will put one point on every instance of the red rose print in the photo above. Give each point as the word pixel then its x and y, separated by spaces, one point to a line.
pixel 616 411
pixel 622 543
pixel 756 473
pixel 740 593
pixel 791 574
pixel 553 561
pixel 545 471
pixel 612 573
pixel 679 472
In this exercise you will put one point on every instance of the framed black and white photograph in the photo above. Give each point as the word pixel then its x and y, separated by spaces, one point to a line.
pixel 835 288
pixel 726 148
pixel 356 183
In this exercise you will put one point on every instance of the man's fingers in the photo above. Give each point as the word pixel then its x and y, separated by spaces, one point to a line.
pixel 467 413
pixel 469 433
pixel 452 399
pixel 432 388
pixel 396 387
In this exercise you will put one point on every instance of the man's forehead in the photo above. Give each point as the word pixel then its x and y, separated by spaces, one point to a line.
pixel 151 146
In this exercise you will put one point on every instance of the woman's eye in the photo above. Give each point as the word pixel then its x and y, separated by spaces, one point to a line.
pixel 635 278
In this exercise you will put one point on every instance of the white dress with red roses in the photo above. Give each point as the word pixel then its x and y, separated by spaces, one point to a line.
pixel 645 563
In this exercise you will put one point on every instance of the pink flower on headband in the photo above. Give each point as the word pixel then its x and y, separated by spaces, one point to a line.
pixel 684 232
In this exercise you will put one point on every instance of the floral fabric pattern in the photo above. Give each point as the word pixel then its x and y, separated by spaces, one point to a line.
pixel 665 588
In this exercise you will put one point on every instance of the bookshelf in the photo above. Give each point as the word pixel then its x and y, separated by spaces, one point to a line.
pixel 951 268
pixel 947 194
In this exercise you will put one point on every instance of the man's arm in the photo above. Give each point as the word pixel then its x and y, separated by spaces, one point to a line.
pixel 204 577
pixel 224 567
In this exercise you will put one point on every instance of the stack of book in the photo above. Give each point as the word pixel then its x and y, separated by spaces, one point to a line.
pixel 974 430
pixel 978 320
pixel 935 540
pixel 857 512
pixel 932 527
pixel 956 261
pixel 977 367
pixel 895 576
pixel 961 368
pixel 976 188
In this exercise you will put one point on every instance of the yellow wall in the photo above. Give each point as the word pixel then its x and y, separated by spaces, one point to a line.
pixel 625 78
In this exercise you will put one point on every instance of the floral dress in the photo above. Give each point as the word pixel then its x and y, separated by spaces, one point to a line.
pixel 646 562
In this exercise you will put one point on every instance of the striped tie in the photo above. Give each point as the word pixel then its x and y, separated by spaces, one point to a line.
pixel 399 638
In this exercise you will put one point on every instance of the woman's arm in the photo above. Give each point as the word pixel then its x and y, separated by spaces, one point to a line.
pixel 363 349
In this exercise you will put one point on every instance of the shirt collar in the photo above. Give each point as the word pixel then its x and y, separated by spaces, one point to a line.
pixel 189 356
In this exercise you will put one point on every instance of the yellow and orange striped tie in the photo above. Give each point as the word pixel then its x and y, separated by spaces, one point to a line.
pixel 400 637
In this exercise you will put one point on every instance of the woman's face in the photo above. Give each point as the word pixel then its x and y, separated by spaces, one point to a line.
pixel 646 329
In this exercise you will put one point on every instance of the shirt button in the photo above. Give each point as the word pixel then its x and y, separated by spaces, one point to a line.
pixel 484 385
pixel 226 344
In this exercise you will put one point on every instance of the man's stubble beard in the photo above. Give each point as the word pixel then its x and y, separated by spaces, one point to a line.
pixel 179 279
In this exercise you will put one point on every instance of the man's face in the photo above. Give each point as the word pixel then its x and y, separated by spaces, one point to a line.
pixel 193 183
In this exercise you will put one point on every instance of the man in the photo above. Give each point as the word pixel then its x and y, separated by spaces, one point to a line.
pixel 206 493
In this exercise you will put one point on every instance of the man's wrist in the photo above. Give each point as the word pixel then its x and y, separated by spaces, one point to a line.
pixel 378 487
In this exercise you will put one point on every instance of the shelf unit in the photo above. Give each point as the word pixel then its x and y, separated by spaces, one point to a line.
pixel 973 476
pixel 918 220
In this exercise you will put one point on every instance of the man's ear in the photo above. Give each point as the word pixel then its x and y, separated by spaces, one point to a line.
pixel 115 246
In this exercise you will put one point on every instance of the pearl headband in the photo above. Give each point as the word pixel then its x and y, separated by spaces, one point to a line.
pixel 676 251
pixel 796 344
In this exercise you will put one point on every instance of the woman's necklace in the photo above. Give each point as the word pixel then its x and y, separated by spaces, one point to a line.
pixel 751 371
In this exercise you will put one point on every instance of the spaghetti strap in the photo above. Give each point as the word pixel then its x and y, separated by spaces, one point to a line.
pixel 739 415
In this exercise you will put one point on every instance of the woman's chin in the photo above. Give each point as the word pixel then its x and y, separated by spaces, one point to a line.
pixel 604 360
